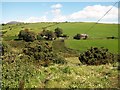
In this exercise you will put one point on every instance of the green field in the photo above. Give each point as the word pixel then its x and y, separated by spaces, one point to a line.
pixel 82 45
pixel 97 35
pixel 99 31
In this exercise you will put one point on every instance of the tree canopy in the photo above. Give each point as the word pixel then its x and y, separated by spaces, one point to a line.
pixel 26 35
pixel 58 32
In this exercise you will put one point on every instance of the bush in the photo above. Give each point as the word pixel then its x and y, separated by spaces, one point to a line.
pixel 96 56
pixel 42 51
pixel 39 37
pixel 112 37
pixel 26 35
pixel 59 60
pixel 46 34
pixel 77 37
pixel 58 32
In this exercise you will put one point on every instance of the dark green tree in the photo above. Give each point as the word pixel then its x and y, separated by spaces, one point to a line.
pixel 39 37
pixel 77 36
pixel 26 35
pixel 50 35
pixel 46 34
pixel 58 32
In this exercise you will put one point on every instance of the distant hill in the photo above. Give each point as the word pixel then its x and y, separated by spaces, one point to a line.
pixel 13 22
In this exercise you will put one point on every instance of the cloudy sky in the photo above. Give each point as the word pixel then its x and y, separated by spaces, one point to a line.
pixel 59 11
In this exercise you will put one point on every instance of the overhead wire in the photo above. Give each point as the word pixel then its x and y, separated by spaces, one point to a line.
pixel 101 17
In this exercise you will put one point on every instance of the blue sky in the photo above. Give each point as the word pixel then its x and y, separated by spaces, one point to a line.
pixel 57 11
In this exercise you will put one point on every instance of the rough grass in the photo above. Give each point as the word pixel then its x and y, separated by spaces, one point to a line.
pixel 70 75
pixel 81 76
pixel 77 76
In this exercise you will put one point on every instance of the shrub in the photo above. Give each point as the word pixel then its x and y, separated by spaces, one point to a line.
pixel 77 36
pixel 58 32
pixel 96 56
pixel 46 34
pixel 42 51
pixel 39 37
pixel 50 35
pixel 59 59
pixel 26 35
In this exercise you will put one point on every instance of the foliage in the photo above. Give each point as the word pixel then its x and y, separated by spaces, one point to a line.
pixel 17 70
pixel 77 36
pixel 112 37
pixel 39 37
pixel 59 46
pixel 26 35
pixel 46 34
pixel 65 35
pixel 5 48
pixel 42 51
pixel 3 24
pixel 49 35
pixel 59 59
pixel 56 76
pixel 58 32
pixel 3 32
pixel 96 56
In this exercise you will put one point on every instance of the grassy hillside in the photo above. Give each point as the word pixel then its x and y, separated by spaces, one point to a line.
pixel 97 35
pixel 99 31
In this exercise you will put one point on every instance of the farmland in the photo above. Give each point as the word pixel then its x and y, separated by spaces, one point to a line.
pixel 97 35
pixel 73 74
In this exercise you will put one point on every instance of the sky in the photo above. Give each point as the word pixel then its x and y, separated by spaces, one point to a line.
pixel 59 12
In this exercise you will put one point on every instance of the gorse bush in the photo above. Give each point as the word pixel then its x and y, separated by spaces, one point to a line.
pixel 96 56
pixel 39 50
pixel 42 51
pixel 26 35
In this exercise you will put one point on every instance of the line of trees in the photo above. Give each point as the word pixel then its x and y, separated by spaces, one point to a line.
pixel 45 34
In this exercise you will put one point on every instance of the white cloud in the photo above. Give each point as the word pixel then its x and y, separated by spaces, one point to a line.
pixel 89 14
pixel 95 12
pixel 56 12
pixel 59 18
pixel 56 6
pixel 37 19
